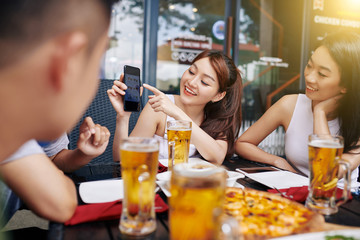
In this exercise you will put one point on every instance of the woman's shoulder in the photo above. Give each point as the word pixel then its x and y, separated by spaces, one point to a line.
pixel 285 108
pixel 288 102
pixel 290 97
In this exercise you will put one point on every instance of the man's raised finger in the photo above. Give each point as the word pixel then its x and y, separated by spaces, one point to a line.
pixel 90 123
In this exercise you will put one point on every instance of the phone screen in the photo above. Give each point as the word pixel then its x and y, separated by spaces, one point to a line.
pixel 132 95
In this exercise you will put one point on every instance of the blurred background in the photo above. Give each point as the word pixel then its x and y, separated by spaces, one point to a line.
pixel 269 40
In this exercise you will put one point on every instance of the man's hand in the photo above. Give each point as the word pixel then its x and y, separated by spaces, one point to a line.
pixel 93 138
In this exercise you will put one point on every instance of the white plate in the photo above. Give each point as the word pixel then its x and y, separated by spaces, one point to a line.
pixel 232 177
pixel 355 233
pixel 164 162
pixel 164 176
pixel 164 179
pixel 164 187
pixel 101 191
pixel 276 179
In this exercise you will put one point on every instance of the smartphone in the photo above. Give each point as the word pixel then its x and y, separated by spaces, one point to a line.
pixel 257 169
pixel 132 93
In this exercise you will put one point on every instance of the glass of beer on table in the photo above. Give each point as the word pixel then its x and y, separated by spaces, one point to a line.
pixel 139 164
pixel 325 152
pixel 196 203
pixel 179 135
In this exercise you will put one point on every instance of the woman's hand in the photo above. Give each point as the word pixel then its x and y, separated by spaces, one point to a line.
pixel 329 106
pixel 323 112
pixel 161 103
pixel 283 164
pixel 116 94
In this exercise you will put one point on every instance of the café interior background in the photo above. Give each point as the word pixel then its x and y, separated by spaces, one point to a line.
pixel 269 40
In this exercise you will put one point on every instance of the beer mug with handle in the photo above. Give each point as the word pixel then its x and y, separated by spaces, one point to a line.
pixel 139 164
pixel 325 153
pixel 179 135
pixel 197 204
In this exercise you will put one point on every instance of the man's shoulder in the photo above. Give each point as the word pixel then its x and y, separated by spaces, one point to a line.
pixel 31 147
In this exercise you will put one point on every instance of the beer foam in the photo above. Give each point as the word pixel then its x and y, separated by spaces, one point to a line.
pixel 136 147
pixel 196 170
pixel 323 143
pixel 176 128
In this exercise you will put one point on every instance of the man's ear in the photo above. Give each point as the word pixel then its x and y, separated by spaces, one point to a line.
pixel 219 97
pixel 67 52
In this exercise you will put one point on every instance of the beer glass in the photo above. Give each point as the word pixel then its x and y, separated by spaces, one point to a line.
pixel 196 203
pixel 178 134
pixel 325 153
pixel 139 164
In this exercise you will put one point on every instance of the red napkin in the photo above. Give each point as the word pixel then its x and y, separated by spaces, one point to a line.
pixel 300 194
pixel 162 168
pixel 106 211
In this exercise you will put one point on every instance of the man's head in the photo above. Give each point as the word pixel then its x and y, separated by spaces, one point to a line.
pixel 28 23
pixel 49 62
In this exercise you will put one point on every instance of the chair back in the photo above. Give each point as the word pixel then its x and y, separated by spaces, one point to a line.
pixel 102 112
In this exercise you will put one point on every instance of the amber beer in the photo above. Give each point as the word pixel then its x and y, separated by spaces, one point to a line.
pixel 325 153
pixel 197 191
pixel 179 135
pixel 139 164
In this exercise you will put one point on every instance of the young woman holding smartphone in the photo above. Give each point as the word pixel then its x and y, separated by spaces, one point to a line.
pixel 210 97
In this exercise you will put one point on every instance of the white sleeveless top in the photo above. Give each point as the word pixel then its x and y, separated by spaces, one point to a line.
pixel 163 148
pixel 296 137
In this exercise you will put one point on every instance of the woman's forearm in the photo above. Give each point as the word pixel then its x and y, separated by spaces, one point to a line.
pixel 121 132
pixel 251 152
pixel 320 123
pixel 210 149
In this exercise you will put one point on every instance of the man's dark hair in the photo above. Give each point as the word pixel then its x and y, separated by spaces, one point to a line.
pixel 24 24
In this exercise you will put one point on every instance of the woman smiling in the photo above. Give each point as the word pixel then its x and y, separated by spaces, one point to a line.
pixel 210 97
pixel 330 105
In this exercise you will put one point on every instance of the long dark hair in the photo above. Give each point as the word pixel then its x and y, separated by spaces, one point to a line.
pixel 344 47
pixel 223 118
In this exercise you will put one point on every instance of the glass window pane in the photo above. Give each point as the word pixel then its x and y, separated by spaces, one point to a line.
pixel 185 29
pixel 269 51
pixel 126 38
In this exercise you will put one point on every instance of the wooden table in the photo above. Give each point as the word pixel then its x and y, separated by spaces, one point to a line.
pixel 348 215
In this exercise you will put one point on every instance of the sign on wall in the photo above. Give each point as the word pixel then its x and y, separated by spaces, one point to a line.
pixel 329 16
pixel 185 49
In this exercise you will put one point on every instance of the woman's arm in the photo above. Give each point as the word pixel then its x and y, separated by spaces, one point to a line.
pixel 212 150
pixel 277 115
pixel 116 94
pixel 147 123
pixel 121 132
pixel 353 157
pixel 324 111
